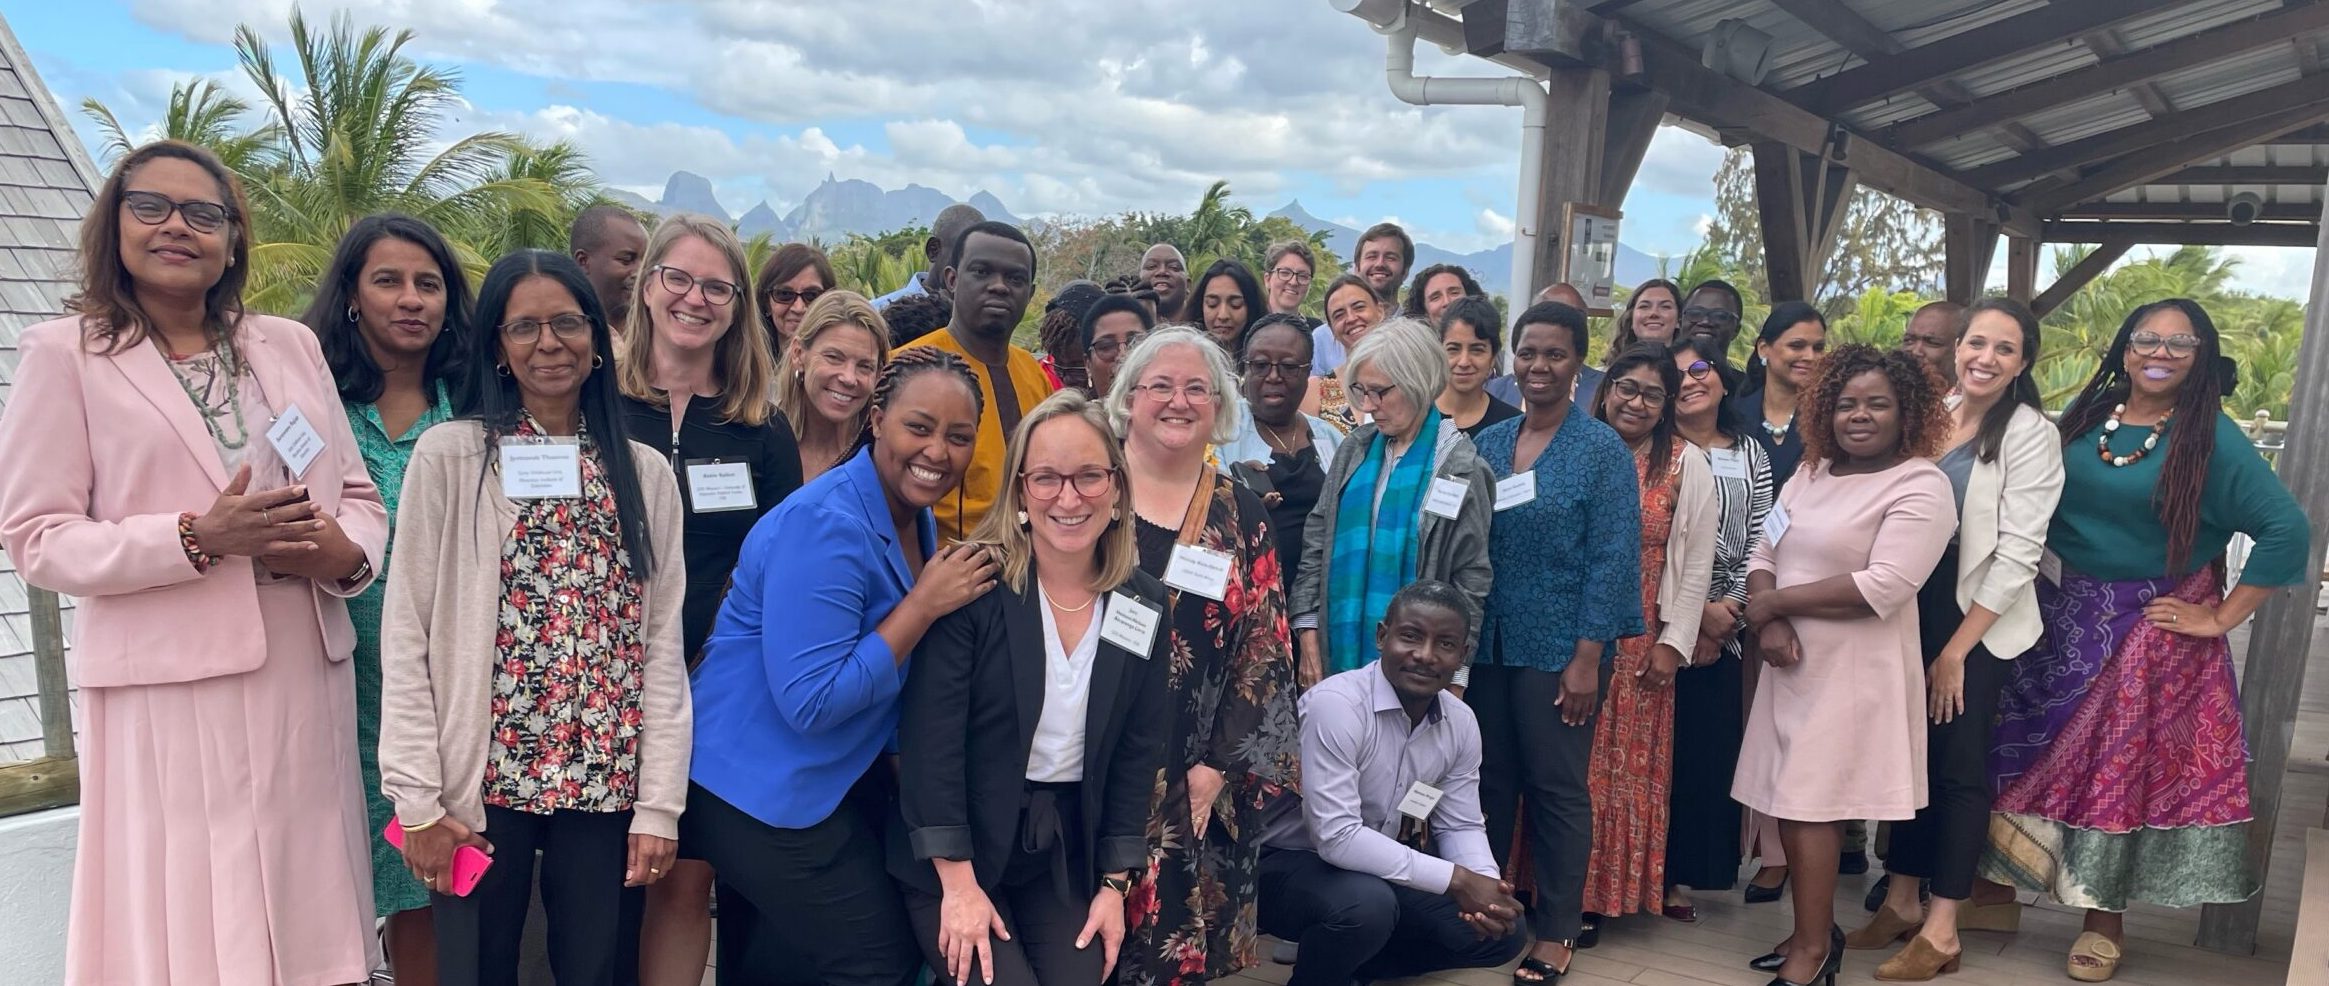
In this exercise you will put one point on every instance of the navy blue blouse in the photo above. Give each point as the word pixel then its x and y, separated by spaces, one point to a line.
pixel 1568 563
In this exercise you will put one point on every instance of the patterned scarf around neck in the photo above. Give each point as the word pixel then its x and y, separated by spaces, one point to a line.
pixel 1374 551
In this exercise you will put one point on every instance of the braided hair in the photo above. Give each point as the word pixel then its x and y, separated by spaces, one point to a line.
pixel 912 317
pixel 2190 443
pixel 907 364
pixel 1924 419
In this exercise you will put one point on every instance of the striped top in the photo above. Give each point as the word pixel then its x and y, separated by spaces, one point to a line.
pixel 1742 498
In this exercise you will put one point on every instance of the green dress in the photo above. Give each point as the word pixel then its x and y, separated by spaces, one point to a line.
pixel 393 887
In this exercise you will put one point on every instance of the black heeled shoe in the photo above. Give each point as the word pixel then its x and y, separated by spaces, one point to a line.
pixel 1771 961
pixel 1588 931
pixel 1757 894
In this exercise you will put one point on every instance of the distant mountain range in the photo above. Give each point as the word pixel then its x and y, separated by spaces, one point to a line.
pixel 837 208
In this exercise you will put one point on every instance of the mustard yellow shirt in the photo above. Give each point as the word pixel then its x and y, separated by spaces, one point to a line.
pixel 959 514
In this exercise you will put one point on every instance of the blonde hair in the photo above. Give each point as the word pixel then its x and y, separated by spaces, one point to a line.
pixel 833 309
pixel 740 359
pixel 1014 546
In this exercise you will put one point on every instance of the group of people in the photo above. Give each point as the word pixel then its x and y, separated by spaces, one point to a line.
pixel 1412 635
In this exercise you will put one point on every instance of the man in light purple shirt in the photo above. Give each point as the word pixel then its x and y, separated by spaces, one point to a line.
pixel 1381 868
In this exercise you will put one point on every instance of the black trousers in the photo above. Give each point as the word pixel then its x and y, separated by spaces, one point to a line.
pixel 583 854
pixel 1526 752
pixel 1357 926
pixel 1702 836
pixel 824 890
pixel 1944 842
pixel 1036 899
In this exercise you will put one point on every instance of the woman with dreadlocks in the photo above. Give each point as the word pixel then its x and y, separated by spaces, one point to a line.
pixel 2119 753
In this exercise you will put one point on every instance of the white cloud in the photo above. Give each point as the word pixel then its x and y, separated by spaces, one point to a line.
pixel 1491 223
pixel 2285 272
pixel 1679 163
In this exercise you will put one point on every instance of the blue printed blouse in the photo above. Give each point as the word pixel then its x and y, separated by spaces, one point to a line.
pixel 1568 563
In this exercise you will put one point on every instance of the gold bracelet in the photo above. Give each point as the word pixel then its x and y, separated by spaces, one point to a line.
pixel 430 824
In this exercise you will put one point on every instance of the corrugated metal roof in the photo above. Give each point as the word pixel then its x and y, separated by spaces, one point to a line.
pixel 46 184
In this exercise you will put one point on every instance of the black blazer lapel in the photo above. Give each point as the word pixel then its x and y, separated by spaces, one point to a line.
pixel 1023 628
pixel 1100 706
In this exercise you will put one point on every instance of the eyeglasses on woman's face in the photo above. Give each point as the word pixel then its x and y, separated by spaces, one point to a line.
pixel 1716 317
pixel 1291 274
pixel 782 297
pixel 1162 393
pixel 1698 369
pixel 154 208
pixel 1364 396
pixel 1046 485
pixel 2151 343
pixel 1106 347
pixel 1631 390
pixel 568 326
pixel 717 293
pixel 1262 369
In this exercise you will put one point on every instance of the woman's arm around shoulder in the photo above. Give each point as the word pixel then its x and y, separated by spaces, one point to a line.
pixel 818 568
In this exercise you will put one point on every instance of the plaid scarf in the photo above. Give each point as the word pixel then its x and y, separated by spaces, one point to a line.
pixel 1374 551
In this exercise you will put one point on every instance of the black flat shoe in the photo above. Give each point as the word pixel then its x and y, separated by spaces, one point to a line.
pixel 1758 894
pixel 1852 863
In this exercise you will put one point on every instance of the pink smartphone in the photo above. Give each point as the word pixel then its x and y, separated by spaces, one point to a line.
pixel 469 862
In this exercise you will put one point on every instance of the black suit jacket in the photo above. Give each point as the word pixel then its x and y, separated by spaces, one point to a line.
pixel 972 700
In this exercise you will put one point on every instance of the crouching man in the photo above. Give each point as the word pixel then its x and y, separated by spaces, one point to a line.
pixel 1381 868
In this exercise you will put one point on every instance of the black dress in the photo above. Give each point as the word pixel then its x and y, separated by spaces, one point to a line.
pixel 1497 411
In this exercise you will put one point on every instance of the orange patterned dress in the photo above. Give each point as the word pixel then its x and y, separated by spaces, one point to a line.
pixel 1633 740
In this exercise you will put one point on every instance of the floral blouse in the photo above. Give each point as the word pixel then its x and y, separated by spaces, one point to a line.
pixel 566 694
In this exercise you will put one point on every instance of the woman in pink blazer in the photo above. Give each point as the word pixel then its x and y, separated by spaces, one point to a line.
pixel 181 468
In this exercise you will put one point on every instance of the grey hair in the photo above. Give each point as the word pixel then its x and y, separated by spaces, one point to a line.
pixel 1407 351
pixel 1224 382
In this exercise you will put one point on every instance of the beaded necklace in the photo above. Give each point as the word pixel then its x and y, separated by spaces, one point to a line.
pixel 2102 442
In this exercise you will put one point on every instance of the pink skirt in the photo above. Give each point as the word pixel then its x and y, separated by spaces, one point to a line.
pixel 222 831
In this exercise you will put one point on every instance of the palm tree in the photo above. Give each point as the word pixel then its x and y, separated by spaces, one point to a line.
pixel 200 113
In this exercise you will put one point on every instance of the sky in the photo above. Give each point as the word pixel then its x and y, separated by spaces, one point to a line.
pixel 1058 107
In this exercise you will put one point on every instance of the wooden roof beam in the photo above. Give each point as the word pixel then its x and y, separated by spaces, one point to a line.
pixel 2236 112
pixel 2080 275
pixel 2177 211
pixel 2247 174
pixel 2143 166
pixel 2106 45
pixel 2185 234
pixel 1926 63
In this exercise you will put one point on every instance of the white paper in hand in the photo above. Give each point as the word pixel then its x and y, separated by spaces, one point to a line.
pixel 296 440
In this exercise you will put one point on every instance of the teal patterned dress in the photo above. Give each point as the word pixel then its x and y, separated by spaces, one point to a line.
pixel 393 886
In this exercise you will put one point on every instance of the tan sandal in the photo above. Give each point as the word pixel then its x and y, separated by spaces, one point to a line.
pixel 2100 950
pixel 1917 963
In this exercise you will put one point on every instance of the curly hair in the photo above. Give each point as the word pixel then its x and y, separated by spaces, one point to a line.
pixel 912 317
pixel 1924 420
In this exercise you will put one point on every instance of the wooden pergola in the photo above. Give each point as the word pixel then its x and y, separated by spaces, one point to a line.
pixel 2108 122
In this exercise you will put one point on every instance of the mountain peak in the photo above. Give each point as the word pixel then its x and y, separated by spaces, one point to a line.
pixel 687 191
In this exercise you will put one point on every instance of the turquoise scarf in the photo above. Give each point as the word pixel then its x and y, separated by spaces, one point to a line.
pixel 1373 554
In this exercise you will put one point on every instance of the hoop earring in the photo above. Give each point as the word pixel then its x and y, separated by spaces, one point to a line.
pixel 597 361
pixel 501 368
pixel 351 314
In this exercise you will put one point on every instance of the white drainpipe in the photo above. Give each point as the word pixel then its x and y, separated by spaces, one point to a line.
pixel 1399 23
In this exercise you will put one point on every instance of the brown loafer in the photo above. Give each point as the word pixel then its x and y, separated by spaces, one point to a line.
pixel 1919 962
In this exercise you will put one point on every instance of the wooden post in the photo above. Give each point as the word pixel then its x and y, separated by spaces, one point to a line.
pixel 48 661
pixel 1970 242
pixel 2282 634
pixel 2021 268
pixel 1801 199
pixel 1575 128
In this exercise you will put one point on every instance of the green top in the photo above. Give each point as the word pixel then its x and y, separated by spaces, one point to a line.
pixel 2108 527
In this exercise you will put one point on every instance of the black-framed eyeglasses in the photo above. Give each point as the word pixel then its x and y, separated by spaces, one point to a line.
pixel 717 293
pixel 1698 369
pixel 1368 394
pixel 1289 273
pixel 784 297
pixel 1712 316
pixel 154 208
pixel 1047 485
pixel 567 326
pixel 1162 392
pixel 2150 343
pixel 1629 390
pixel 1106 347
pixel 1263 369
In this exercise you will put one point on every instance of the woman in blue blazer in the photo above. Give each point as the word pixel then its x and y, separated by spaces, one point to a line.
pixel 798 692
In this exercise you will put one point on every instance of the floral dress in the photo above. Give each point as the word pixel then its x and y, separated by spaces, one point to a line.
pixel 1192 918
pixel 566 694
pixel 1633 740
pixel 394 888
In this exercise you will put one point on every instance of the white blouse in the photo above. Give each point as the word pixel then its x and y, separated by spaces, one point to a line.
pixel 1057 755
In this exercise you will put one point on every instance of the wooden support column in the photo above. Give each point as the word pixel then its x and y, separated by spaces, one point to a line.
pixel 2080 275
pixel 2021 268
pixel 1576 125
pixel 1633 122
pixel 1801 199
pixel 1970 242
pixel 2282 634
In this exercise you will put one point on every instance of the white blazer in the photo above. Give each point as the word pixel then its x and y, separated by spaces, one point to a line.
pixel 2002 531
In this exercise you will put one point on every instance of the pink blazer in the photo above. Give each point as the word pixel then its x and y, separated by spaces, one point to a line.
pixel 98 456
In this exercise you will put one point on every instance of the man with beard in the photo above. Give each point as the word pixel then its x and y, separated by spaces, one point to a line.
pixel 607 240
pixel 938 249
pixel 992 280
pixel 1931 337
pixel 1167 273
pixel 1385 252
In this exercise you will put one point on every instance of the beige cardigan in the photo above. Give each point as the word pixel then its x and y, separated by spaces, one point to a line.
pixel 1689 554
pixel 437 649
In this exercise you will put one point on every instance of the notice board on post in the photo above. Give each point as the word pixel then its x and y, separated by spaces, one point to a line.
pixel 1589 254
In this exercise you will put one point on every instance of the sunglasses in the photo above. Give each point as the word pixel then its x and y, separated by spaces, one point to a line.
pixel 784 297
pixel 1698 369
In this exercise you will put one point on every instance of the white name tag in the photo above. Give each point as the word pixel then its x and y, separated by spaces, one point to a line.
pixel 1420 800
pixel 1775 524
pixel 1130 624
pixel 296 440
pixel 1728 463
pixel 531 471
pixel 1446 497
pixel 717 486
pixel 1199 570
pixel 2050 566
pixel 1514 490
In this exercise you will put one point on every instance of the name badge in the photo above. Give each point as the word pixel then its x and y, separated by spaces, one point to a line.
pixel 1775 524
pixel 1130 624
pixel 1420 800
pixel 1728 463
pixel 1199 570
pixel 1446 497
pixel 296 440
pixel 714 486
pixel 2050 566
pixel 533 471
pixel 1514 490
